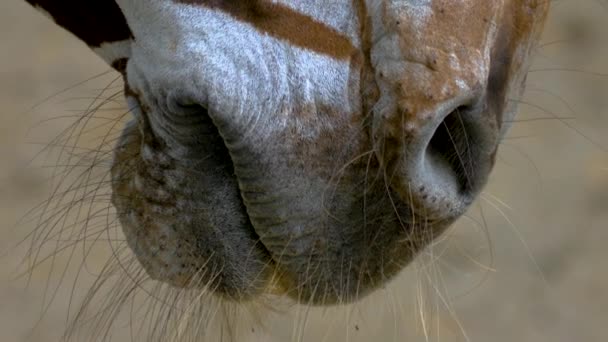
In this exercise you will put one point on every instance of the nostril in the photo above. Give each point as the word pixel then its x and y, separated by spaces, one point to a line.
pixel 441 165
pixel 453 145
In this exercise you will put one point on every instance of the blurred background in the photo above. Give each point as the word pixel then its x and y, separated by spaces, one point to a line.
pixel 528 263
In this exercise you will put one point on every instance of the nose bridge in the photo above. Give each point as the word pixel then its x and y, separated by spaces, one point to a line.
pixel 443 57
pixel 436 81
pixel 430 57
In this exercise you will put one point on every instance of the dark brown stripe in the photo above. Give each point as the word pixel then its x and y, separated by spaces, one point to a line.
pixel 368 87
pixel 93 21
pixel 284 23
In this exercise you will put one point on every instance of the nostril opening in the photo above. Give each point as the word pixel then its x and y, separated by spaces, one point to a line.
pixel 453 144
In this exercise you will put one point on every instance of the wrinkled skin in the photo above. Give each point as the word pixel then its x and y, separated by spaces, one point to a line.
pixel 310 148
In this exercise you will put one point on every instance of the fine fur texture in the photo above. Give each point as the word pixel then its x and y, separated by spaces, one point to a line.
pixel 305 148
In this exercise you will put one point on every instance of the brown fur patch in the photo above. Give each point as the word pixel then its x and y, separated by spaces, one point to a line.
pixel 284 23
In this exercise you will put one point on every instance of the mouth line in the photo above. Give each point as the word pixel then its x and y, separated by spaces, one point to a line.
pixel 220 153
pixel 205 229
pixel 275 284
pixel 220 150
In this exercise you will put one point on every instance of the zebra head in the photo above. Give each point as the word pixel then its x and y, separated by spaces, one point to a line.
pixel 310 148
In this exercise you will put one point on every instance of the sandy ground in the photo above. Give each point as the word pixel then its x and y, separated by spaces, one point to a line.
pixel 537 272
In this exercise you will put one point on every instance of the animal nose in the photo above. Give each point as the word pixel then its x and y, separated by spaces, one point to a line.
pixel 437 115
pixel 437 153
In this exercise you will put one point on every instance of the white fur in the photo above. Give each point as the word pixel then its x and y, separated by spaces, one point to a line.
pixel 113 51
pixel 207 56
